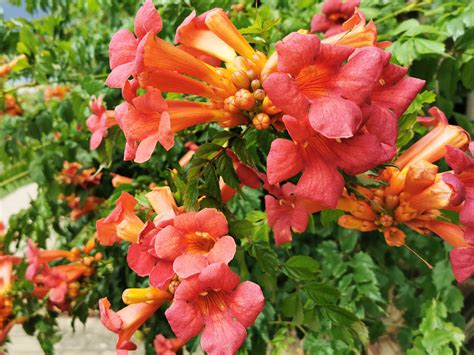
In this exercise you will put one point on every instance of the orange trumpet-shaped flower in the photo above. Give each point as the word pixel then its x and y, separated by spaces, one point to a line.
pixel 234 93
pixel 37 258
pixel 127 321
pixel 118 180
pixel 432 146
pixel 357 33
pixel 6 267
pixel 414 196
pixel 121 224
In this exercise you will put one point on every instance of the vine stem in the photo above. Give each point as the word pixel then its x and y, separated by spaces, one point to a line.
pixel 26 85
pixel 14 178
pixel 410 7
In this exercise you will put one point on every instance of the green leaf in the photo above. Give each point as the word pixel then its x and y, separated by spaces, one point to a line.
pixel 225 168
pixel 322 293
pixel 191 195
pixel 427 46
pixel 208 151
pixel 329 217
pixel 267 260
pixel 467 74
pixel 448 76
pixel 339 315
pixel 301 267
pixel 442 275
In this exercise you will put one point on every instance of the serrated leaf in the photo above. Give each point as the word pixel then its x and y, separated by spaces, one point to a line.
pixel 225 169
pixel 322 293
pixel 301 267
pixel 339 315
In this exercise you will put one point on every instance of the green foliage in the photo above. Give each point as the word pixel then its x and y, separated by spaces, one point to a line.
pixel 331 291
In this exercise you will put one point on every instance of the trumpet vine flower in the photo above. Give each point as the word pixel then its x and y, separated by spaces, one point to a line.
pixel 121 224
pixel 214 300
pixel 334 14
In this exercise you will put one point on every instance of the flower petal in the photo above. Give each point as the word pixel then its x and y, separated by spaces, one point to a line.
pixel 168 243
pixel 165 135
pixel 462 262
pixel 223 250
pixel 335 117
pixel 219 276
pixel 458 160
pixel 222 335
pixel 119 75
pixel 357 79
pixel 108 317
pixel 184 319
pixel 189 264
pixel 283 161
pixel 246 302
pixel 189 289
pixel 207 220
pixel 321 182
pixel 162 274
pixel 285 94
pixel 147 20
pixel 146 148
pixel 359 153
pixel 122 48
pixel 297 51
pixel 139 260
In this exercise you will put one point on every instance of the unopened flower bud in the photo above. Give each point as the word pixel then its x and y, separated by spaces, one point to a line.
pixel 76 252
pixel 391 201
pixel 261 121
pixel 87 260
pixel 242 63
pixel 98 256
pixel 252 74
pixel 268 107
pixel 394 237
pixel 255 84
pixel 240 79
pixel 259 59
pixel 259 94
pixel 230 105
pixel 244 100
pixel 148 295
pixel 73 289
pixel 173 286
pixel 216 104
pixel 386 220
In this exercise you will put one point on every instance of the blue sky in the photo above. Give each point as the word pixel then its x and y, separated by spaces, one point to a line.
pixel 10 11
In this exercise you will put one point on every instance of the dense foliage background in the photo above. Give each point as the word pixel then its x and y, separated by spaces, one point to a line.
pixel 332 290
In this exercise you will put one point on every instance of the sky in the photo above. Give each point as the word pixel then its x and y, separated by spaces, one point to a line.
pixel 10 11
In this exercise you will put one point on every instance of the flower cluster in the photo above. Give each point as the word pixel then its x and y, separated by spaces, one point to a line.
pixel 85 179
pixel 185 255
pixel 415 193
pixel 7 319
pixel 10 106
pixel 234 94
pixel 74 174
pixel 334 105
pixel 61 282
